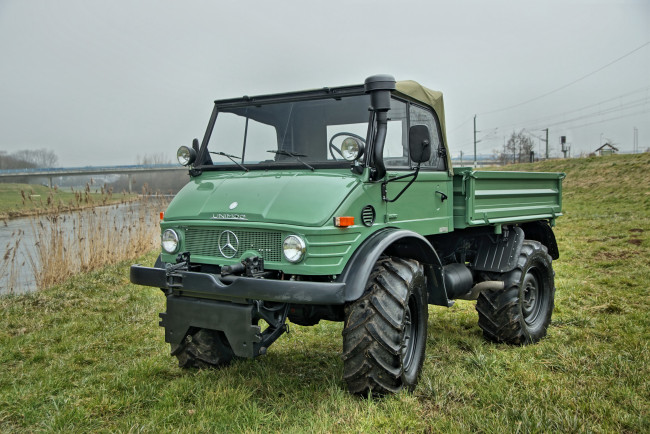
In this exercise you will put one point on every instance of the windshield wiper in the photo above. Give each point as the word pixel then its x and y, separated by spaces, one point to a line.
pixel 230 157
pixel 292 154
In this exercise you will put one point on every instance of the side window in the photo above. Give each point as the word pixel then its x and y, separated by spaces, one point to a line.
pixel 396 154
pixel 420 116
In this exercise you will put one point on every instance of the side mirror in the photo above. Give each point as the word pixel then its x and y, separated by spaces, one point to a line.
pixel 419 143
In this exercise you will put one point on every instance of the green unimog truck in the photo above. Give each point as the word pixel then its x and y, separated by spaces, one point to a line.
pixel 341 204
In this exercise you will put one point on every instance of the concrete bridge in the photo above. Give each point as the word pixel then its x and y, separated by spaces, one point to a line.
pixel 51 172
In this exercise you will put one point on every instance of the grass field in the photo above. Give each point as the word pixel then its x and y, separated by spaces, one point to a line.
pixel 88 355
pixel 18 200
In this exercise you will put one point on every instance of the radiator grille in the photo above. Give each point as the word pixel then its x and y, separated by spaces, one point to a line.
pixel 205 242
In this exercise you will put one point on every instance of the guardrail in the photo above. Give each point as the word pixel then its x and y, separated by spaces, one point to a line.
pixel 50 172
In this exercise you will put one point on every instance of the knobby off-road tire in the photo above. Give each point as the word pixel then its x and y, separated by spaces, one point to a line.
pixel 384 336
pixel 521 312
pixel 204 349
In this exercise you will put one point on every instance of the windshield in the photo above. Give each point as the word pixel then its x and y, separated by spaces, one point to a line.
pixel 299 133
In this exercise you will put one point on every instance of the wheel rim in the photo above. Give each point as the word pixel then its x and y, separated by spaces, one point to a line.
pixel 532 297
pixel 410 334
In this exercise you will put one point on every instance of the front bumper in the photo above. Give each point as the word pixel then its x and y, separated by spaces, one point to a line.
pixel 214 286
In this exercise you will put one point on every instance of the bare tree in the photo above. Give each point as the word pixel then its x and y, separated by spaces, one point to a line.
pixel 158 158
pixel 518 149
pixel 37 157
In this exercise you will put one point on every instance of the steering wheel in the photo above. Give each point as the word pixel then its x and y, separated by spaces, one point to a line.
pixel 332 147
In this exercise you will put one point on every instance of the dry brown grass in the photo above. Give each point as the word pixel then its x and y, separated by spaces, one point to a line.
pixel 84 234
pixel 10 262
pixel 85 240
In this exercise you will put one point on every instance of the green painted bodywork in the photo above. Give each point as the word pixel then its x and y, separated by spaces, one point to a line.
pixel 304 203
pixel 300 201
pixel 494 198
pixel 294 197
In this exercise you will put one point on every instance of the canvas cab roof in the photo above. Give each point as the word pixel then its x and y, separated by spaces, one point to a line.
pixel 431 98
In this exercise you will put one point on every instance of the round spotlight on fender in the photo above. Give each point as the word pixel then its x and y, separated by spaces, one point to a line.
pixel 293 248
pixel 185 155
pixel 169 241
pixel 351 149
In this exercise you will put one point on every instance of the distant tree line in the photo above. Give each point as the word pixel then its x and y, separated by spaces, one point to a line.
pixel 28 159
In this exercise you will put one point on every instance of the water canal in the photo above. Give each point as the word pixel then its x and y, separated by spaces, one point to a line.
pixel 111 225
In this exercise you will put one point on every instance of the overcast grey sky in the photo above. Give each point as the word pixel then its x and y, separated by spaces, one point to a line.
pixel 103 82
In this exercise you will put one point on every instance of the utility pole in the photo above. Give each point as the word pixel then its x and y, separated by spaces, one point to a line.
pixel 636 140
pixel 475 142
pixel 461 158
pixel 546 142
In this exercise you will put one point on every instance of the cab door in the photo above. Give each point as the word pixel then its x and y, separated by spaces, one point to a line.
pixel 425 206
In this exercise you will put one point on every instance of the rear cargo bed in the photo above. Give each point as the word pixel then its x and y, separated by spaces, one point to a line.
pixel 485 197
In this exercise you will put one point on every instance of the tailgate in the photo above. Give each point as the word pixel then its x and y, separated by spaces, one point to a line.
pixel 485 197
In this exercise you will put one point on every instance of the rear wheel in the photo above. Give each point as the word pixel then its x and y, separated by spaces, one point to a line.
pixel 384 336
pixel 521 312
pixel 203 348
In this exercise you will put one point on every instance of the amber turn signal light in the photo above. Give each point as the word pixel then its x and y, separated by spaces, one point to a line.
pixel 343 222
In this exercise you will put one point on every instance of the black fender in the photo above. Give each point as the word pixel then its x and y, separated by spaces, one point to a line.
pixel 541 231
pixel 394 242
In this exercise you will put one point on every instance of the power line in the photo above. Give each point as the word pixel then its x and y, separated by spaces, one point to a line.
pixel 569 84
pixel 603 109
pixel 630 105
pixel 460 125
pixel 546 119
pixel 599 121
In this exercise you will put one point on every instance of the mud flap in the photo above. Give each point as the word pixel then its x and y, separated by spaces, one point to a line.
pixel 499 255
pixel 234 320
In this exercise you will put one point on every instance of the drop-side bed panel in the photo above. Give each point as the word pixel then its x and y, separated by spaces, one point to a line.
pixel 485 197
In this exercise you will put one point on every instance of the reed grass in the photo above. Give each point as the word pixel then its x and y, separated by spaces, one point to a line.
pixel 11 262
pixel 99 237
pixel 82 235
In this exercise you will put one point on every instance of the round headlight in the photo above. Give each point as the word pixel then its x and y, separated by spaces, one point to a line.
pixel 293 248
pixel 185 155
pixel 169 241
pixel 351 149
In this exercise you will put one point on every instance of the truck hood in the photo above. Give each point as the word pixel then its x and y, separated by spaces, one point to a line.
pixel 301 198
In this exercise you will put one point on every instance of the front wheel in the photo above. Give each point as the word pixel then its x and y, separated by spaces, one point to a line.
pixel 521 312
pixel 384 336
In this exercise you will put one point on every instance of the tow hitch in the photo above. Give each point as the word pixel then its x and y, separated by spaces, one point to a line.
pixel 238 321
pixel 249 267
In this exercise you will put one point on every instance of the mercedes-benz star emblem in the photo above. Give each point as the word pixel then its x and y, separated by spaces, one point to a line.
pixel 228 244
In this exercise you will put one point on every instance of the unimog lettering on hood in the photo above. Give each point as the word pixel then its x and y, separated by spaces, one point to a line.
pixel 341 204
